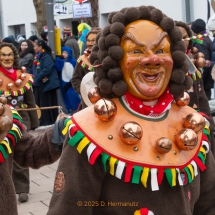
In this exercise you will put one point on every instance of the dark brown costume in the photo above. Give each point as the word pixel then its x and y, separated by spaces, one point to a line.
pixel 122 177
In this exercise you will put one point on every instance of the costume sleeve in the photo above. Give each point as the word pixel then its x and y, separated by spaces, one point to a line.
pixel 30 101
pixel 83 183
pixel 205 203
pixel 35 149
pixel 77 77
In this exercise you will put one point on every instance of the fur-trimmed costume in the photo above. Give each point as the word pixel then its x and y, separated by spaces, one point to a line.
pixel 112 163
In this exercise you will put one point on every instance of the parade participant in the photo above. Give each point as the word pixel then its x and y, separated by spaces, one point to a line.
pixel 65 66
pixel 16 85
pixel 83 65
pixel 205 46
pixel 46 82
pixel 198 99
pixel 144 146
pixel 15 141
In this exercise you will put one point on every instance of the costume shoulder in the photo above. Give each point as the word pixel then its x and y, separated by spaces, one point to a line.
pixel 16 86
pixel 103 138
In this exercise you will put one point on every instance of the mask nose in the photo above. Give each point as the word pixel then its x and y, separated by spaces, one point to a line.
pixel 151 62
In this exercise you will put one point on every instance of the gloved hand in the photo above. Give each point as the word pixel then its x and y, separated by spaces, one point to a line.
pixel 67 86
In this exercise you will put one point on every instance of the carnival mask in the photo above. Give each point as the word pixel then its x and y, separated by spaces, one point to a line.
pixel 6 57
pixel 91 40
pixel 147 62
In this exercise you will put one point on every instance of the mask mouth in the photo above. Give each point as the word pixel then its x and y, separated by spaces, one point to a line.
pixel 151 77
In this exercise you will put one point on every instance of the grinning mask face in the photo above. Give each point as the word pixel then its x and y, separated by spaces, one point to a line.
pixel 147 62
pixel 6 57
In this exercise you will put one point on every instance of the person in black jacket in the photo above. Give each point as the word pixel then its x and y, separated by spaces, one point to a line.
pixel 199 27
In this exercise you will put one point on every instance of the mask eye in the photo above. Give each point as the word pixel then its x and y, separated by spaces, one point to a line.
pixel 137 51
pixel 160 51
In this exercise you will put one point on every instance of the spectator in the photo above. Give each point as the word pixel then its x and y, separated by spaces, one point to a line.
pixel 70 41
pixel 46 82
pixel 33 38
pixel 44 36
pixel 26 54
pixel 205 46
pixel 65 66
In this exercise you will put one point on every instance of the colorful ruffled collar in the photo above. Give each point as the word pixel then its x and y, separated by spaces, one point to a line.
pixel 136 174
pixel 84 65
pixel 12 136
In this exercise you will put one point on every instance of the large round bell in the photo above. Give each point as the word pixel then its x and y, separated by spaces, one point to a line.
pixel 23 76
pixel 163 145
pixel 194 50
pixel 18 82
pixel 186 139
pixel 200 62
pixel 9 86
pixel 105 110
pixel 131 133
pixel 2 109
pixel 3 100
pixel 194 121
pixel 94 95
pixel 5 124
pixel 183 100
pixel 23 69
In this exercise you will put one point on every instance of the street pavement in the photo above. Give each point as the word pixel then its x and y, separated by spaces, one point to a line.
pixel 41 188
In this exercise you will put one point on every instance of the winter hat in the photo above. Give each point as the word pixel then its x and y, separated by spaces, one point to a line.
pixel 33 38
pixel 198 26
pixel 44 35
pixel 211 23
pixel 20 39
pixel 67 30
pixel 7 40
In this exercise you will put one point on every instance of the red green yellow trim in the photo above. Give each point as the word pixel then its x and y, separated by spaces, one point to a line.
pixel 20 91
pixel 136 173
pixel 12 136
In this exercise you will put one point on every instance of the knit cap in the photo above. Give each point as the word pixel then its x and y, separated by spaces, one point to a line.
pixel 198 26
pixel 67 30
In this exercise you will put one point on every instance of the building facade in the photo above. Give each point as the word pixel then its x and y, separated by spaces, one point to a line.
pixel 19 16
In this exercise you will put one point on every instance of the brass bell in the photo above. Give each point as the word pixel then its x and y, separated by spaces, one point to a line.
pixel 194 50
pixel 94 95
pixel 184 100
pixel 200 62
pixel 23 76
pixel 3 100
pixel 131 133
pixel 194 121
pixel 186 139
pixel 105 110
pixel 18 82
pixel 23 69
pixel 1 81
pixel 2 109
pixel 163 145
pixel 5 124
pixel 9 86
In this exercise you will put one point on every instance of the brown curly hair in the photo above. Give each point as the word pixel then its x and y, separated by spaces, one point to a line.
pixel 94 30
pixel 107 51
pixel 15 52
pixel 188 30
